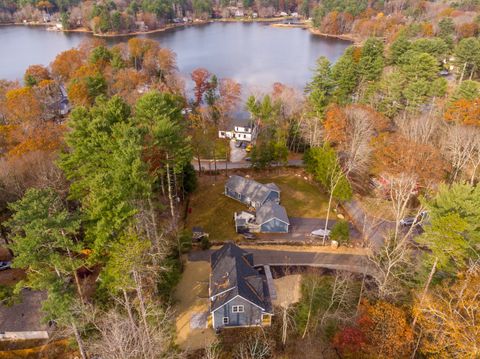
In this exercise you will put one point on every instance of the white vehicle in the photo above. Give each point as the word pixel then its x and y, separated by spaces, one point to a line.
pixel 320 233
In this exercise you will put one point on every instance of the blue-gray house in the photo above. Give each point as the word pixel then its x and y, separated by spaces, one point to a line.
pixel 251 192
pixel 272 218
pixel 239 295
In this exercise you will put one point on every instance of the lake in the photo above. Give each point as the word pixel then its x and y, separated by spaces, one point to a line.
pixel 254 54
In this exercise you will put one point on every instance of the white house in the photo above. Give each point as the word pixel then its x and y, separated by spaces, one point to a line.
pixel 244 129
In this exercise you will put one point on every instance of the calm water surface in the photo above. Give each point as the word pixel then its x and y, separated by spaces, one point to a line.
pixel 256 55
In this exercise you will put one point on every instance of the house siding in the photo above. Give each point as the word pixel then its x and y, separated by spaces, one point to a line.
pixel 274 226
pixel 250 317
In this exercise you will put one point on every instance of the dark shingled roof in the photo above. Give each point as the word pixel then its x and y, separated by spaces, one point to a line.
pixel 256 191
pixel 233 274
pixel 271 210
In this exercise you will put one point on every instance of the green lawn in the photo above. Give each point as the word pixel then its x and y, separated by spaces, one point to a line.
pixel 214 211
pixel 299 197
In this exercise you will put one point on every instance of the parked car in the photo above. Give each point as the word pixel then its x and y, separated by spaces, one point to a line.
pixel 411 221
pixel 249 148
pixel 248 235
pixel 248 159
pixel 5 265
pixel 244 145
pixel 320 233
pixel 238 144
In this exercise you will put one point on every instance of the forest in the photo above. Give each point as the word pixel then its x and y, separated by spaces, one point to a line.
pixel 92 203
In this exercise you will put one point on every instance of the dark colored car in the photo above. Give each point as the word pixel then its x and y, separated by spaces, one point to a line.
pixel 5 265
pixel 238 144
pixel 248 159
pixel 410 221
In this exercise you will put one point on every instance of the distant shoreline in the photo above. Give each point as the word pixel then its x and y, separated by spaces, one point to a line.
pixel 275 23
pixel 136 33
pixel 346 37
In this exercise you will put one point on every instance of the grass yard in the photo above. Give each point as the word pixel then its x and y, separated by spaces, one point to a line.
pixel 300 197
pixel 213 211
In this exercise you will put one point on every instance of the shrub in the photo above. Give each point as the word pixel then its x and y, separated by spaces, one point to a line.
pixel 341 232
pixel 205 243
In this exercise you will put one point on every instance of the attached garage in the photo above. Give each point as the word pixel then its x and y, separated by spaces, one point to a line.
pixel 272 218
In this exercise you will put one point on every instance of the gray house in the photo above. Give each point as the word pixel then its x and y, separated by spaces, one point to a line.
pixel 272 218
pixel 239 295
pixel 251 192
pixel 269 218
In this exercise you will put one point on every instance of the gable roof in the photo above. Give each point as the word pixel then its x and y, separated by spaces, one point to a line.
pixel 233 275
pixel 271 210
pixel 257 192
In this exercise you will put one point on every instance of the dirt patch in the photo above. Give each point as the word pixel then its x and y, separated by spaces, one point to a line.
pixel 11 276
pixel 288 290
pixel 60 349
pixel 5 254
pixel 192 307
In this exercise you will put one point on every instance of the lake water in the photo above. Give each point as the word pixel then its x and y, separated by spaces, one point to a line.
pixel 254 54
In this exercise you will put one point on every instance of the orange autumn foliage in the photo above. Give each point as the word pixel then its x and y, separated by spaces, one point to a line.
pixel 47 137
pixel 467 30
pixel 37 72
pixel 427 29
pixel 66 63
pixel 464 111
pixel 125 83
pixel 337 128
pixel 395 154
pixel 449 317
pixel 22 105
pixel 386 330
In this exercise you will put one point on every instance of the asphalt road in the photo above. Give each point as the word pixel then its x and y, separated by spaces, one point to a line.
pixel 208 165
pixel 340 261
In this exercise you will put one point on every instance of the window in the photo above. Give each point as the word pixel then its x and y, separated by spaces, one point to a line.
pixel 225 320
pixel 238 309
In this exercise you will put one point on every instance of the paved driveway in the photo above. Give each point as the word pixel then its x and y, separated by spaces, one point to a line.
pixel 374 229
pixel 300 229
pixel 350 262
pixel 237 154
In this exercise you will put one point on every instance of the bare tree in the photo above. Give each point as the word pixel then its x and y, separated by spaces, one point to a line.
pixel 357 150
pixel 123 336
pixel 341 299
pixel 393 263
pixel 212 351
pixel 254 347
pixel 420 128
pixel 460 146
pixel 311 130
